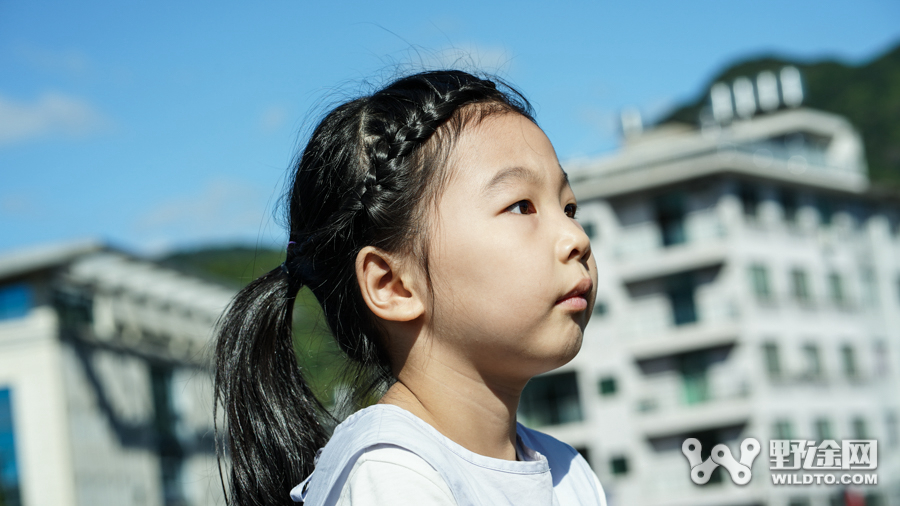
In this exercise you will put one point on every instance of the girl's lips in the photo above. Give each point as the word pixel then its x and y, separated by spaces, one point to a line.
pixel 576 299
pixel 576 303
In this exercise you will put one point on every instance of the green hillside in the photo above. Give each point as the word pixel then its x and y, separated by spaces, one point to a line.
pixel 867 94
pixel 237 266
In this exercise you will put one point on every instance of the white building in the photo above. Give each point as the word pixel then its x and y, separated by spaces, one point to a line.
pixel 749 287
pixel 105 387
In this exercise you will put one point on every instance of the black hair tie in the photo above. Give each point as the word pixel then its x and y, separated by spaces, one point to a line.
pixel 284 265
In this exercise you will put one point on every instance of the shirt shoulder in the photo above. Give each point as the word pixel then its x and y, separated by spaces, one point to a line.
pixel 557 451
pixel 387 474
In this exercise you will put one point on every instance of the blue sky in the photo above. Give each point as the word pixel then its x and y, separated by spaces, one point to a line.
pixel 171 125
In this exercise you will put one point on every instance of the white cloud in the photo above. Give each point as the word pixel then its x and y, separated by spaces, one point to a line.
pixel 52 114
pixel 67 61
pixel 273 118
pixel 18 205
pixel 495 60
pixel 468 57
pixel 222 209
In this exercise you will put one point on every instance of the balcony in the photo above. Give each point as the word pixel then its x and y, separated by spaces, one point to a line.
pixel 673 403
pixel 659 323
pixel 694 240
pixel 668 483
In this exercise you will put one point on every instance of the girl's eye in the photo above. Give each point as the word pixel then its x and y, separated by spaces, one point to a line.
pixel 521 207
pixel 571 209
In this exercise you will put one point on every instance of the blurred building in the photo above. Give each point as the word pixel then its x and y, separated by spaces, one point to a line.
pixel 105 389
pixel 749 287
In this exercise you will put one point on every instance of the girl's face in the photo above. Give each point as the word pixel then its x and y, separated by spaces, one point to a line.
pixel 513 274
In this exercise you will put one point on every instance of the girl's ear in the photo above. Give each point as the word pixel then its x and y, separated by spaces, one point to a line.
pixel 388 285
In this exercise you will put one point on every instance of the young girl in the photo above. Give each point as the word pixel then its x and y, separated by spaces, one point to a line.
pixel 435 226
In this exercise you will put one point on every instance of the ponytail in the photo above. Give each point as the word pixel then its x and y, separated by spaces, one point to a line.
pixel 274 420
pixel 364 178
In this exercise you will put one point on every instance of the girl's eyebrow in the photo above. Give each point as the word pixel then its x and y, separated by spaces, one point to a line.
pixel 506 177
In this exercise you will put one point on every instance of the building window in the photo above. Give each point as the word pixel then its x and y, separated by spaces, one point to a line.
pixel 813 361
pixel 670 211
pixel 823 429
pixel 551 399
pixel 680 291
pixel 585 453
pixel 800 286
pixel 873 499
pixel 75 308
pixel 15 301
pixel 825 207
pixel 782 430
pixel 898 287
pixel 870 286
pixel 9 470
pixel 836 289
pixel 860 431
pixel 607 386
pixel 892 426
pixel 773 360
pixel 618 465
pixel 848 358
pixel 759 278
pixel 882 358
pixel 749 200
pixel 694 367
pixel 789 205
pixel 589 229
pixel 171 454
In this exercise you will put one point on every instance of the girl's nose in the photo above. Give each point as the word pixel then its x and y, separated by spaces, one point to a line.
pixel 573 243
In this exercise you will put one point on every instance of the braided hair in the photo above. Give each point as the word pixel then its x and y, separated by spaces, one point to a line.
pixel 365 178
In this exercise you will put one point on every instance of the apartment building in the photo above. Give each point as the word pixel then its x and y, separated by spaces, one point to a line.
pixel 749 286
pixel 105 387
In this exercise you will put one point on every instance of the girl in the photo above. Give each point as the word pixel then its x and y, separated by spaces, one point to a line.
pixel 435 226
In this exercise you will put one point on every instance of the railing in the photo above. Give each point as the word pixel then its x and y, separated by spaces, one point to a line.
pixel 673 390
pixel 646 238
pixel 651 318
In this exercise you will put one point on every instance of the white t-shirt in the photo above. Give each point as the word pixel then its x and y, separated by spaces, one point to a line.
pixel 384 454
pixel 386 474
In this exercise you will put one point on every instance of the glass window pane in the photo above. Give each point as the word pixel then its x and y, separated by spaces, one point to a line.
pixel 759 278
pixel 823 429
pixel 670 211
pixel 836 288
pixel 773 361
pixel 813 361
pixel 15 301
pixel 607 386
pixel 783 430
pixel 848 357
pixel 800 286
pixel 551 399
pixel 9 470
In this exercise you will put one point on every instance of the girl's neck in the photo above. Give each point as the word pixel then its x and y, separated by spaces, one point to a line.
pixel 474 413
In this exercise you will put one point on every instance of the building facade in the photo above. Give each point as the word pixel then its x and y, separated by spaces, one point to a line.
pixel 105 388
pixel 749 286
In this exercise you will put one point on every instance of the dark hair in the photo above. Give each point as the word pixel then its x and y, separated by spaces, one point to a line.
pixel 365 177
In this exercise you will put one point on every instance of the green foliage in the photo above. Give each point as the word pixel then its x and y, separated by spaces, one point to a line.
pixel 320 359
pixel 232 266
pixel 868 95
